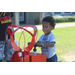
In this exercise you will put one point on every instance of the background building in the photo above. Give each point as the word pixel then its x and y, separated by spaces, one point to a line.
pixel 22 18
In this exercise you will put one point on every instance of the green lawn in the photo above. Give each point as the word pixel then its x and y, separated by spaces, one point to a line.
pixel 65 40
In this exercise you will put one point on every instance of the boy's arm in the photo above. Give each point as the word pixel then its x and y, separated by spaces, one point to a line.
pixel 52 42
pixel 48 44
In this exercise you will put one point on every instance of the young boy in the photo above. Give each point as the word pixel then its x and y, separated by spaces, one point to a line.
pixel 47 40
pixel 5 21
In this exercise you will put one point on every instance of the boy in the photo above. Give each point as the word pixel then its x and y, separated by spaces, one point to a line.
pixel 47 40
pixel 5 21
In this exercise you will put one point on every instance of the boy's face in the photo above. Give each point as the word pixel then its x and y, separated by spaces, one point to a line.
pixel 46 27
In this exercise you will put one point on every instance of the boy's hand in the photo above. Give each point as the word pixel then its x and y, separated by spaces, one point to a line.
pixel 39 44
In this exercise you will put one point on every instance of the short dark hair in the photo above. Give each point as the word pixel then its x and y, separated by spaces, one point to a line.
pixel 51 20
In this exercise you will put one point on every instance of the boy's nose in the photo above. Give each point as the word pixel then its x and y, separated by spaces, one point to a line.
pixel 44 28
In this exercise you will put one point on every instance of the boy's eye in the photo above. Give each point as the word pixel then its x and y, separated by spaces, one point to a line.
pixel 45 27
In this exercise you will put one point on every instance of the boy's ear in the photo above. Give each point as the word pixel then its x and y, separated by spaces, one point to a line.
pixel 52 28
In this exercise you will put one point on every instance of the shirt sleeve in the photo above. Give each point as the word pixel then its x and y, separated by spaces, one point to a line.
pixel 53 38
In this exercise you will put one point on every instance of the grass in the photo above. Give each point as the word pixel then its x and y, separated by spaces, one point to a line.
pixel 65 40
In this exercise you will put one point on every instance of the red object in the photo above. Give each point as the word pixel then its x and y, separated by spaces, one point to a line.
pixel 37 58
pixel 5 18
pixel 15 57
pixel 28 58
pixel 16 48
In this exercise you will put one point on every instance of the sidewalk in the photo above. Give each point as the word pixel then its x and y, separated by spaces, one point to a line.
pixel 57 26
pixel 65 25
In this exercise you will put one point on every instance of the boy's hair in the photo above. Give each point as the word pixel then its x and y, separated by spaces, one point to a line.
pixel 49 19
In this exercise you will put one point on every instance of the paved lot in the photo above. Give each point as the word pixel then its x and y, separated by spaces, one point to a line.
pixel 57 26
pixel 65 25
